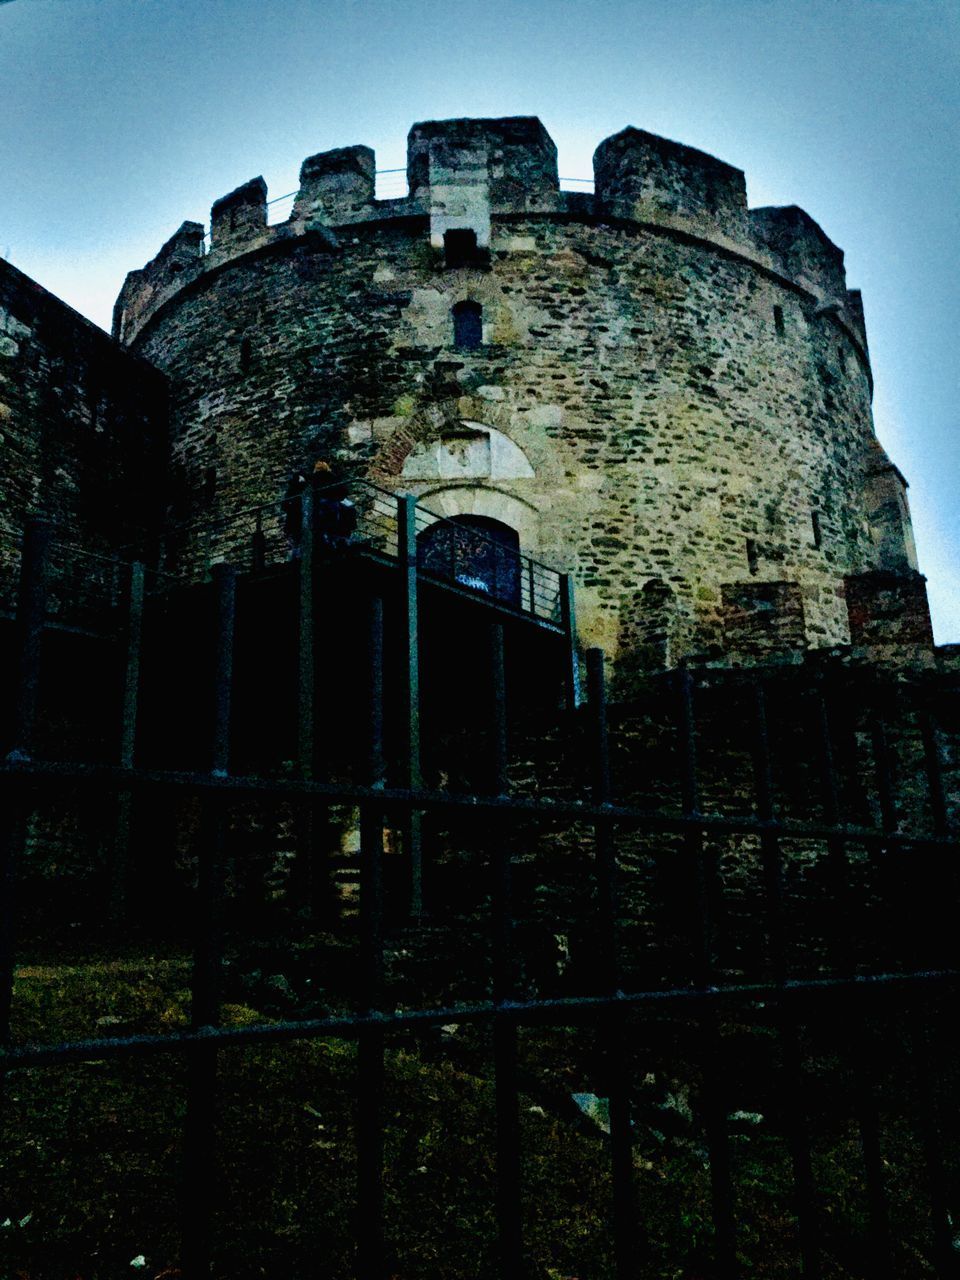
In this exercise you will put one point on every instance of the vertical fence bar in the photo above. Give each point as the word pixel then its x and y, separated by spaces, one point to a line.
pixel 12 830
pixel 863 1049
pixel 864 1052
pixel 841 915
pixel 769 841
pixel 131 675
pixel 121 875
pixel 792 1081
pixel 307 818
pixel 942 880
pixel 306 677
pixel 200 1122
pixel 498 782
pixel 31 615
pixel 605 860
pixel 370 1049
pixel 704 874
pixel 887 861
pixel 931 758
pixel 932 1043
pixel 925 1083
pixel 410 691
pixel 505 1036
pixel 623 1218
pixel 700 867
pixel 862 1080
pixel 568 621
pixel 884 770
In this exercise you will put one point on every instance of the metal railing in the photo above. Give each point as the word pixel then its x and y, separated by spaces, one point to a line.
pixel 271 533
pixel 842 1003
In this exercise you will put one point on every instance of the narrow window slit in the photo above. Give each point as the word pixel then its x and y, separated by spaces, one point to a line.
pixel 778 321
pixel 467 326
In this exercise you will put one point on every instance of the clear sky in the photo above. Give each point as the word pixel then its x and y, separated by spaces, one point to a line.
pixel 121 118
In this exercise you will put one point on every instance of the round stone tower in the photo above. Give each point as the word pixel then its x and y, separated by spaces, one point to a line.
pixel 658 389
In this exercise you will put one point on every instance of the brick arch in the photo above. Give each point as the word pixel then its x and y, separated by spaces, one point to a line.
pixel 405 435
pixel 424 429
pixel 470 451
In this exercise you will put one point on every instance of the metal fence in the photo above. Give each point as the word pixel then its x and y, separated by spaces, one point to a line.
pixel 846 1000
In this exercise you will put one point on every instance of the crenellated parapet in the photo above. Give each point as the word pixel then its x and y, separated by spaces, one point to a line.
pixel 239 217
pixel 802 251
pixel 639 175
pixel 467 175
pixel 179 260
pixel 466 171
pixel 335 187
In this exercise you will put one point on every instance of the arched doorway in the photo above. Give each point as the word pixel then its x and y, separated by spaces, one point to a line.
pixel 477 552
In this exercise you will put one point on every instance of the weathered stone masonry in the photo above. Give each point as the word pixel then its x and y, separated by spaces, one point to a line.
pixel 686 380
pixel 82 427
pixel 671 397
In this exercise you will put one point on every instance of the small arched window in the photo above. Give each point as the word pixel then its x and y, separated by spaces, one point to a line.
pixel 467 326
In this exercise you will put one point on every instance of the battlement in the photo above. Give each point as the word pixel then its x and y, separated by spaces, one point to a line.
pixel 467 170
pixel 179 259
pixel 638 174
pixel 335 186
pixel 240 216
pixel 515 155
pixel 464 174
pixel 802 250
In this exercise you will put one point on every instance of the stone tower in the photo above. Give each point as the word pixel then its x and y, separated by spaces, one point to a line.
pixel 655 387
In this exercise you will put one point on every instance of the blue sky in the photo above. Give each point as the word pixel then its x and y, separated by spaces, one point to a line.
pixel 121 118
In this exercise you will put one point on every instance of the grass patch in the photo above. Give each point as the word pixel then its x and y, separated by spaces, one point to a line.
pixel 91 1155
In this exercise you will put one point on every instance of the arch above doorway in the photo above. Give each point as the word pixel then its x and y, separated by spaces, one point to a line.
pixel 470 451
pixel 481 500
pixel 476 552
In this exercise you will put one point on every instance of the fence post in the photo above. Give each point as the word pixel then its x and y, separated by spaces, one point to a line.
pixel 614 1028
pixel 305 671
pixel 308 823
pixel 370 1081
pixel 31 615
pixel 200 1123
pixel 568 620
pixel 410 749
pixel 505 1039
pixel 128 737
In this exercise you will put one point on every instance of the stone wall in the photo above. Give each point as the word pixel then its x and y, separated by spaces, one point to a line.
pixel 686 380
pixel 82 423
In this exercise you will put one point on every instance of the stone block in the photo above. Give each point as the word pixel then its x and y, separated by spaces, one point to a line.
pixel 239 217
